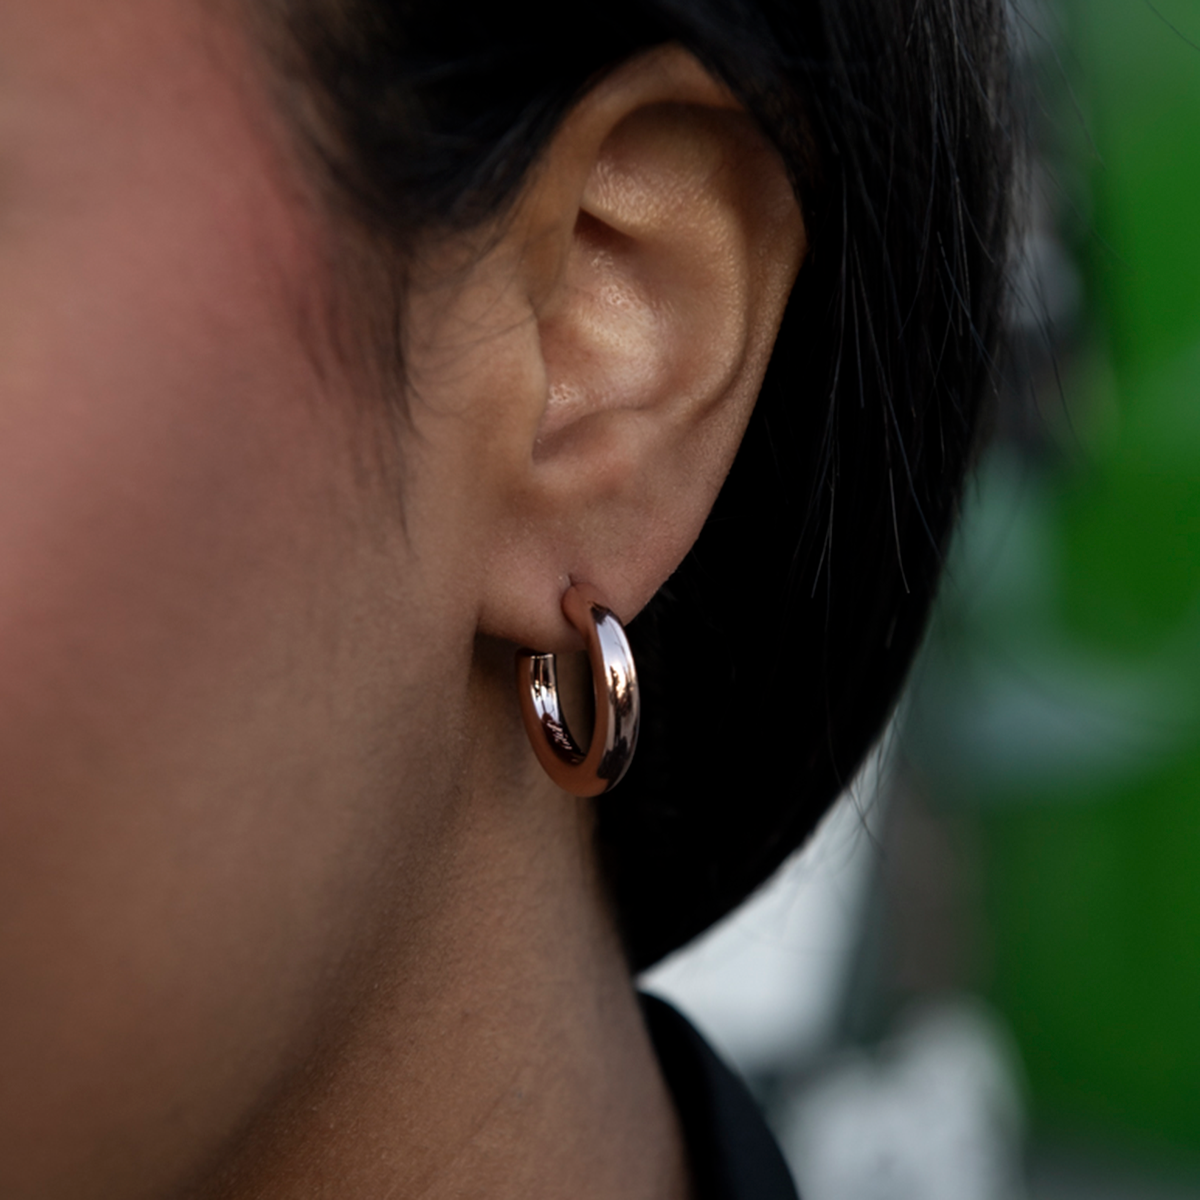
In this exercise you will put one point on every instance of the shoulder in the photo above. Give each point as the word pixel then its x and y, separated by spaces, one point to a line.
pixel 733 1154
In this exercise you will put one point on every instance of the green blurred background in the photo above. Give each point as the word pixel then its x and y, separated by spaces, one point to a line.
pixel 1056 717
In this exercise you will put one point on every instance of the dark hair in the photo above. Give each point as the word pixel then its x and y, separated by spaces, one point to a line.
pixel 773 657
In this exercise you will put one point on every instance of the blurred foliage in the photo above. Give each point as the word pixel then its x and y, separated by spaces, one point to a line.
pixel 1058 703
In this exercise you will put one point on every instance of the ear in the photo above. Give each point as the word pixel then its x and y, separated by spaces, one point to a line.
pixel 642 279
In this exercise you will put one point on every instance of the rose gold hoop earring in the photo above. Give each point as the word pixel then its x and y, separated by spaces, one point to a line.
pixel 618 705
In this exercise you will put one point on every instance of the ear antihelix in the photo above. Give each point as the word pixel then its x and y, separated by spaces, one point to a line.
pixel 617 701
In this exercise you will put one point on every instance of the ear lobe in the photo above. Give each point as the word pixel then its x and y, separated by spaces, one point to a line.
pixel 676 242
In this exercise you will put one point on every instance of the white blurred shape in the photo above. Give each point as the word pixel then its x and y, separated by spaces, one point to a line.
pixel 766 984
pixel 935 1115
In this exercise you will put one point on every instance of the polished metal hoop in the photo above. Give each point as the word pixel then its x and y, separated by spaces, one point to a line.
pixel 618 704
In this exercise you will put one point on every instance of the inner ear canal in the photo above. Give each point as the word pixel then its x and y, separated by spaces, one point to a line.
pixel 577 697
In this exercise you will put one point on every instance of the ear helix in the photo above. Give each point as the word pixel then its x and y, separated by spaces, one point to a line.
pixel 618 704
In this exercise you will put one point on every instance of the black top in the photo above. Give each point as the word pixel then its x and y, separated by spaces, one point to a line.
pixel 732 1153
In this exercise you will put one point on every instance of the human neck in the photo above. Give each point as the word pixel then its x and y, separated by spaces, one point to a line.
pixel 500 1053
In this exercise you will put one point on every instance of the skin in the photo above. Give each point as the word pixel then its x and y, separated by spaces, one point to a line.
pixel 287 907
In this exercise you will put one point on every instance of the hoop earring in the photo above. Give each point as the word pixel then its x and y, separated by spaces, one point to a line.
pixel 618 704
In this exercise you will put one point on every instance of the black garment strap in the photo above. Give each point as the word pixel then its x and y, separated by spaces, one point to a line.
pixel 733 1155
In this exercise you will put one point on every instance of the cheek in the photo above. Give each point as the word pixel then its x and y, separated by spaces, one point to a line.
pixel 153 482
pixel 146 447
pixel 176 500
pixel 146 475
pixel 158 417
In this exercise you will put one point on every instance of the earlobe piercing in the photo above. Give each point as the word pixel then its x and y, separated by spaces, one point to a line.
pixel 618 704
